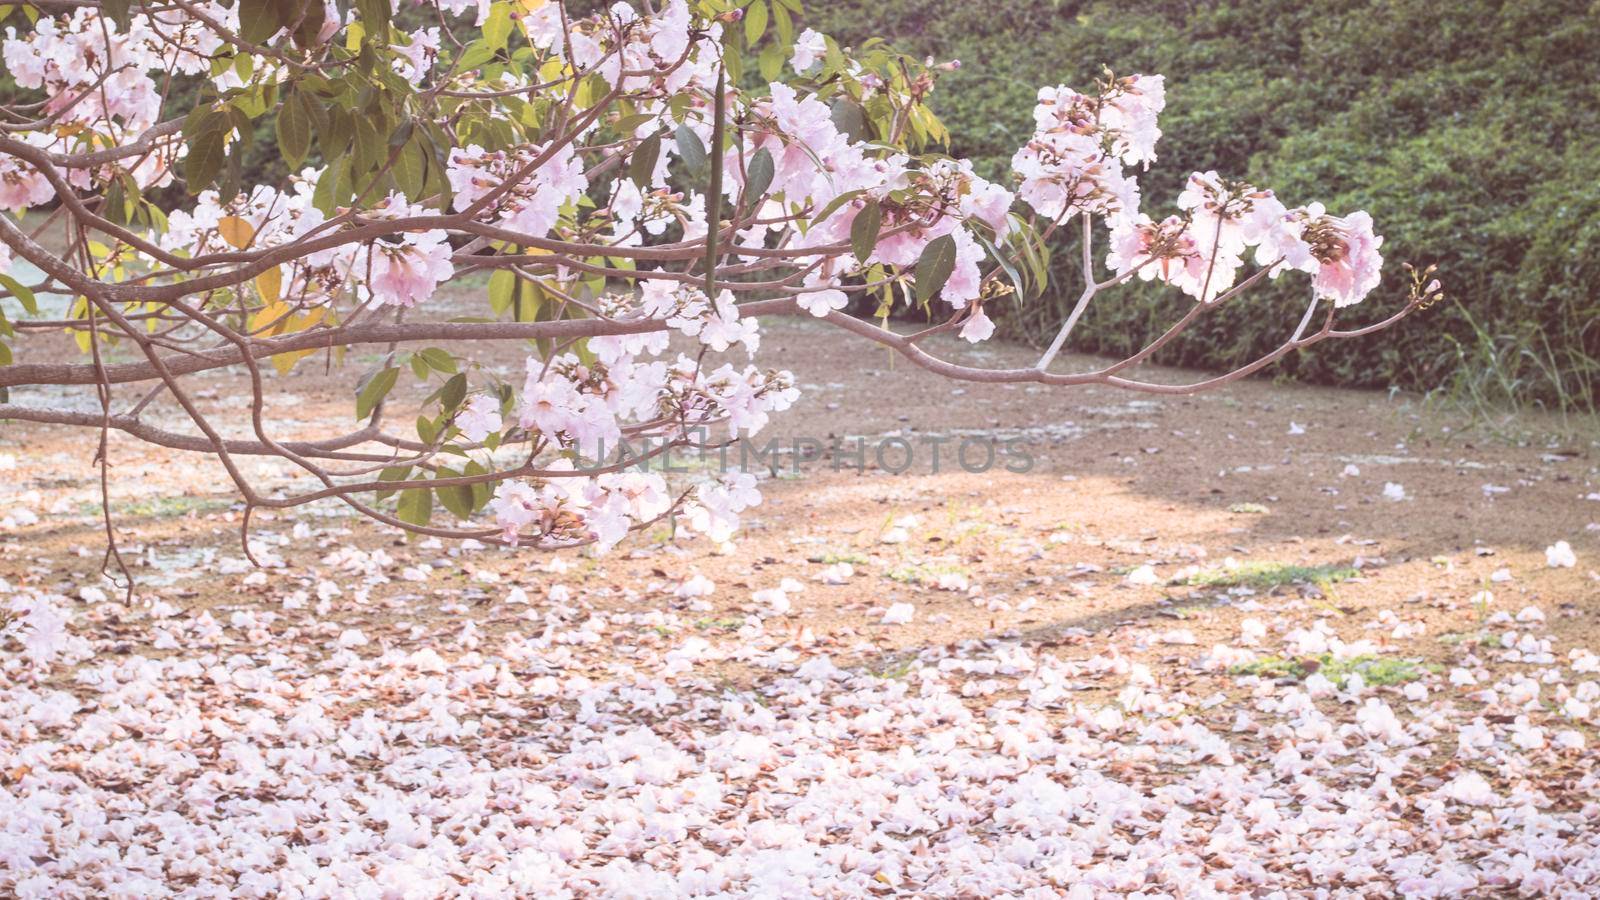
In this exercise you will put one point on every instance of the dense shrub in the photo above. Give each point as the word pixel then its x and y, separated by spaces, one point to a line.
pixel 1468 130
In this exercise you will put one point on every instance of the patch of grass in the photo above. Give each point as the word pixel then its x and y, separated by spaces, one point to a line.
pixel 724 624
pixel 1481 638
pixel 1270 575
pixel 1376 671
pixel 160 507
pixel 926 574
pixel 1254 509
pixel 895 672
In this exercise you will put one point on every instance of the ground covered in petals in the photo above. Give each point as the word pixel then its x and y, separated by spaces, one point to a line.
pixel 1265 642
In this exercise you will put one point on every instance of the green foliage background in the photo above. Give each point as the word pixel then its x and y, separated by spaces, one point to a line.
pixel 1468 129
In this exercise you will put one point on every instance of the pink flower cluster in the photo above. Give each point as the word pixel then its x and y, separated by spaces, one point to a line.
pixel 619 405
pixel 100 89
pixel 1074 164
pixel 401 270
pixel 517 196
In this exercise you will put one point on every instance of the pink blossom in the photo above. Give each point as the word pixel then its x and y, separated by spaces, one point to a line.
pixel 480 418
pixel 978 327
pixel 809 46
pixel 820 303
pixel 406 273
pixel 1347 255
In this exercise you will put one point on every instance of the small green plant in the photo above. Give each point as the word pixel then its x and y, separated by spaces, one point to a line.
pixel 1253 509
pixel 1270 575
pixel 1480 603
pixel 894 672
pixel 924 574
pixel 1481 638
pixel 161 507
pixel 1380 671
pixel 724 624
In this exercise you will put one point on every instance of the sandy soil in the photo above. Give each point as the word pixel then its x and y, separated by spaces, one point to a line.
pixel 1259 473
pixel 1147 530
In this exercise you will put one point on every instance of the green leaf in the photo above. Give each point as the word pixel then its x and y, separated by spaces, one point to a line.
pixel 207 153
pixel 497 28
pixel 415 506
pixel 402 134
pixel 22 293
pixel 864 230
pixel 627 125
pixel 833 206
pixel 335 139
pixel 690 149
pixel 477 53
pixel 333 188
pixel 393 473
pixel 758 177
pixel 481 491
pixel 527 300
pixel 755 22
pixel 427 430
pixel 785 22
pixel 312 15
pixel 458 499
pixel 411 170
pixel 642 167
pixel 455 391
pixel 259 20
pixel 372 390
pixel 1005 264
pixel 232 180
pixel 439 360
pixel 502 290
pixel 294 129
pixel 371 147
pixel 934 266
pixel 719 124
pixel 375 19
pixel 849 119
pixel 770 62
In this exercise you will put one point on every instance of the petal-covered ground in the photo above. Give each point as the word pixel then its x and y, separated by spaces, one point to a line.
pixel 1274 642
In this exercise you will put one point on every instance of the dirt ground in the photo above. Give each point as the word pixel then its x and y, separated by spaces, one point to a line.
pixel 1147 530
pixel 1260 474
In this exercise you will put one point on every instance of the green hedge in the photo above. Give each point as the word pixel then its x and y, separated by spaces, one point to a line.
pixel 1469 130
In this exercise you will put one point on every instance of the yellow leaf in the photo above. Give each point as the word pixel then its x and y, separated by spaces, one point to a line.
pixel 236 231
pixel 310 318
pixel 552 70
pixel 531 5
pixel 275 311
pixel 270 284
pixel 284 362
